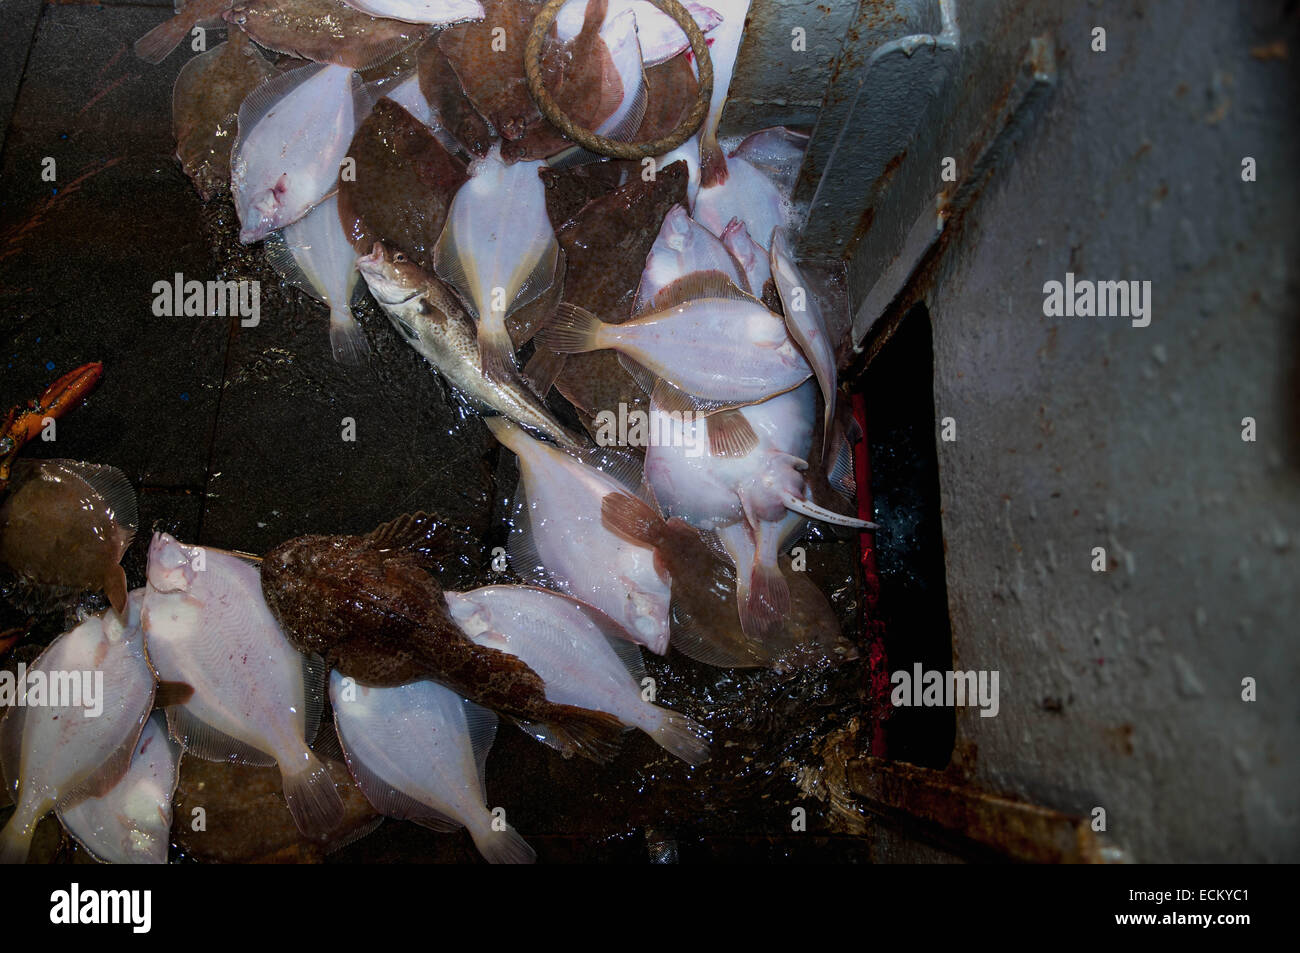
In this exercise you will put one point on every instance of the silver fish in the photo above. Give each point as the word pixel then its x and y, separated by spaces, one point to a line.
pixel 55 756
pixel 706 346
pixel 132 823
pixel 559 539
pixel 417 752
pixel 294 131
pixel 498 250
pixel 255 699
pixel 582 655
pixel 433 322
pixel 315 255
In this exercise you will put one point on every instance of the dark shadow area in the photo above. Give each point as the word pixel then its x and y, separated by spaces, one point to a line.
pixel 913 600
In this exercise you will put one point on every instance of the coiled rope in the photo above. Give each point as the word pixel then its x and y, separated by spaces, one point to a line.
pixel 612 147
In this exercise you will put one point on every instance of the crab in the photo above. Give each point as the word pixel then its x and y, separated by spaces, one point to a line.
pixel 23 422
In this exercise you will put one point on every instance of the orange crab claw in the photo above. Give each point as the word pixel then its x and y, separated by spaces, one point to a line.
pixel 22 424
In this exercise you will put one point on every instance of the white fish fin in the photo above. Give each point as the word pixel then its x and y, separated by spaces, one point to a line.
pixel 327 744
pixel 700 284
pixel 100 781
pixel 644 377
pixel 625 468
pixel 279 255
pixel 432 820
pixel 481 723
pixel 496 352
pixel 203 741
pixel 540 278
pixel 448 266
pixel 390 802
pixel 365 830
pixel 768 601
pixel 543 369
pixel 348 341
pixel 112 484
pixel 730 434
pixel 810 509
pixel 312 798
pixel 682 736
pixel 314 674
pixel 671 399
pixel 626 128
pixel 520 545
pixel 572 330
pixel 690 637
pixel 504 847
pixel 841 475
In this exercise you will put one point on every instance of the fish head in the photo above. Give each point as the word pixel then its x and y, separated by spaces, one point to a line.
pixel 265 212
pixel 392 277
pixel 172 565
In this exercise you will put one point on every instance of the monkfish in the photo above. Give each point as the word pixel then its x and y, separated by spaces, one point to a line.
pixel 431 320
pixel 58 752
pixel 132 822
pixel 372 607
pixel 417 752
pixel 294 131
pixel 704 346
pixel 558 537
pixel 582 655
pixel 254 698
pixel 65 525
pixel 314 255
pixel 498 250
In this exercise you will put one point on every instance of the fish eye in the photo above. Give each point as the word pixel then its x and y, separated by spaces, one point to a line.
pixel 399 258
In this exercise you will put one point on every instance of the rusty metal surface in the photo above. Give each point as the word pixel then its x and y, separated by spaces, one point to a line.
pixel 883 89
pixel 974 824
pixel 776 85
pixel 918 205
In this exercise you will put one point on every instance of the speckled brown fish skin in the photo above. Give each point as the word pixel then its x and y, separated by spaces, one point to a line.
pixel 405 181
pixel 371 608
pixel 441 89
pixel 606 245
pixel 583 80
pixel 57 534
pixel 205 108
pixel 494 80
pixel 325 31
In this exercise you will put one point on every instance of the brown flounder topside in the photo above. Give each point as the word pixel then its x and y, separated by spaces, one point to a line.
pixel 371 606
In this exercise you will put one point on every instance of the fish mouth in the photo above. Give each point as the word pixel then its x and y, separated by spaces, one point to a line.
pixel 374 260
